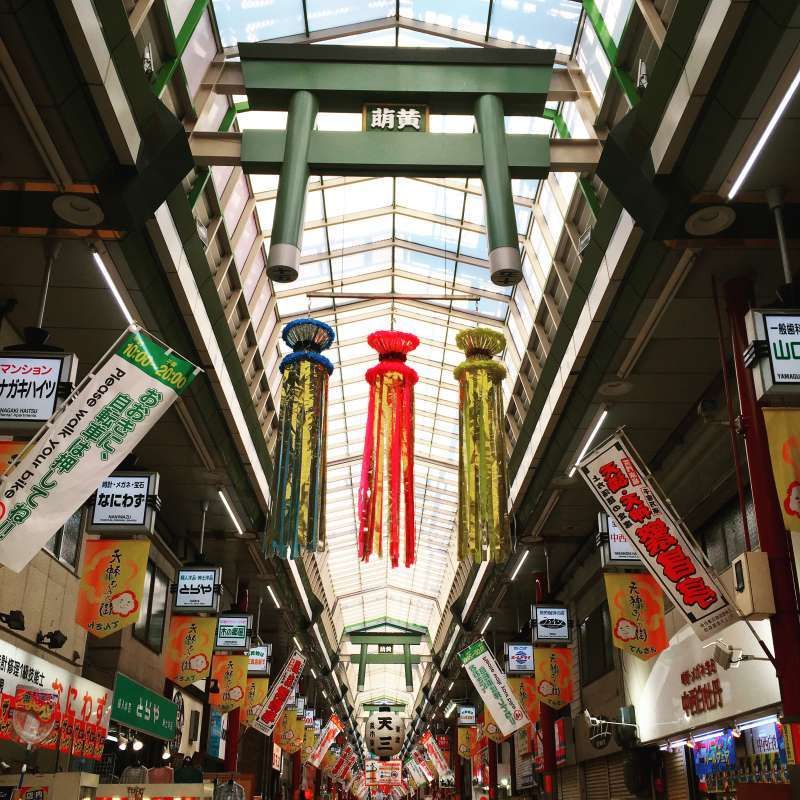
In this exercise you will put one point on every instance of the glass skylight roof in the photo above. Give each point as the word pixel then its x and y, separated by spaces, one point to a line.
pixel 397 236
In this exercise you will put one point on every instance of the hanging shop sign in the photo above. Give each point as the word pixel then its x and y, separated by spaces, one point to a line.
pixel 256 694
pixel 395 117
pixel 423 768
pixel 125 501
pixel 327 736
pixel 233 632
pixel 615 474
pixel 258 659
pixel 466 715
pixel 463 746
pixel 412 769
pixel 190 644
pixel 519 658
pixel 277 758
pixel 86 440
pixel 491 729
pixel 616 549
pixel 309 742
pixel 524 689
pixel 112 585
pixel 50 708
pixel 197 590
pixel 492 686
pixel 284 685
pixel 341 762
pixel 384 732
pixel 435 754
pixel 773 351
pixel 636 606
pixel 230 674
pixel 550 623
pixel 553 675
pixel 289 731
pixel 31 385
pixel 783 433
pixel 135 706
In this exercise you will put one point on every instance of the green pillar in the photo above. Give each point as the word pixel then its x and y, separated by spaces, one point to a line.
pixel 362 668
pixel 501 225
pixel 287 227
pixel 407 667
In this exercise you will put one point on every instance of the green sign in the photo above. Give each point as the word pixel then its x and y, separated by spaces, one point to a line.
pixel 142 709
pixel 382 117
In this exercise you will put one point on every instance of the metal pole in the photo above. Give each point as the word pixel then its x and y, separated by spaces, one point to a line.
pixel 775 200
pixel 203 527
pixel 52 250
pixel 546 717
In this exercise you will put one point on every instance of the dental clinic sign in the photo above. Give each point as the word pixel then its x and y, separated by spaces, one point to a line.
pixel 773 351
pixel 106 416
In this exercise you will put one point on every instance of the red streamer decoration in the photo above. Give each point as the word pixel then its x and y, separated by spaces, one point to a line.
pixel 388 448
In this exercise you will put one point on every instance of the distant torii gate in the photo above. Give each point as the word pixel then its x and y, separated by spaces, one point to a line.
pixel 305 79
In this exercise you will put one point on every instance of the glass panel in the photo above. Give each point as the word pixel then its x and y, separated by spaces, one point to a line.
pixel 467 15
pixel 213 113
pixel 429 197
pixel 326 14
pixel 220 176
pixel 247 21
pixel 615 14
pixel 198 55
pixel 355 197
pixel 70 540
pixel 245 242
pixel 407 38
pixel 592 60
pixel 178 11
pixel 552 214
pixel 158 611
pixel 140 626
pixel 545 23
pixel 236 203
pixel 253 275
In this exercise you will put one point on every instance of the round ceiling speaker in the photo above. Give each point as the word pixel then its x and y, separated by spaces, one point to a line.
pixel 78 210
pixel 710 220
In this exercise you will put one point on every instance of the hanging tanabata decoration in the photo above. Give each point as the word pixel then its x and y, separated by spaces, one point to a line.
pixel 483 531
pixel 388 448
pixel 298 517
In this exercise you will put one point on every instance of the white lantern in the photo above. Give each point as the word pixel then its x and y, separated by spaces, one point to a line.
pixel 385 731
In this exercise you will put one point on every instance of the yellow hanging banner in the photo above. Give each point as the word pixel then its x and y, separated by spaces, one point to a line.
pixel 289 732
pixel 553 670
pixel 636 605
pixel 230 673
pixel 309 743
pixel 257 690
pixel 783 433
pixel 190 643
pixel 493 733
pixel 112 584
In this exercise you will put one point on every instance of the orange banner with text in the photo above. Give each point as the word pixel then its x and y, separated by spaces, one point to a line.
pixel 190 643
pixel 553 670
pixel 230 674
pixel 636 605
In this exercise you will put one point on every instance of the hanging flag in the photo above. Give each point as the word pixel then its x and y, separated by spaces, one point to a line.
pixel 464 746
pixel 492 686
pixel 525 691
pixel 490 728
pixel 624 487
pixel 783 433
pixel 283 687
pixel 388 448
pixel 297 522
pixel 326 738
pixel 106 416
pixel 483 526
pixel 636 606
pixel 553 670
pixel 435 754
pixel 112 583
pixel 289 732
pixel 257 690
pixel 230 673
pixel 190 644
pixel 309 743
pixel 422 764
pixel 329 761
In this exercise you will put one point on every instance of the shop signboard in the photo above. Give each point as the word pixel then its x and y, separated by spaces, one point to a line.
pixel 233 632
pixel 229 675
pixel 395 117
pixel 636 609
pixel 466 716
pixel 125 502
pixel 285 684
pixel 190 643
pixel 616 549
pixel 435 754
pixel 258 659
pixel 277 757
pixel 257 689
pixel 553 667
pixel 135 706
pixel 519 658
pixel 773 351
pixel 492 686
pixel 550 624
pixel 384 773
pixel 86 440
pixel 197 590
pixel 619 480
pixel 422 765
pixel 30 387
pixel 327 736
pixel 215 732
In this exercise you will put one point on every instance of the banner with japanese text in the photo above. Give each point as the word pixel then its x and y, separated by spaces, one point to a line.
pixel 284 685
pixel 48 707
pixel 553 670
pixel 525 691
pixel 783 433
pixel 230 675
pixel 257 690
pixel 112 584
pixel 625 489
pixel 422 763
pixel 333 727
pixel 636 606
pixel 289 731
pixel 190 644
pixel 102 421
pixel 464 745
pixel 492 685
pixel 329 761
pixel 435 754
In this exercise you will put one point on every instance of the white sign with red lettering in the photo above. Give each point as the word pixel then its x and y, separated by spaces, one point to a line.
pixel 269 713
pixel 326 738
pixel 624 487
pixel 435 754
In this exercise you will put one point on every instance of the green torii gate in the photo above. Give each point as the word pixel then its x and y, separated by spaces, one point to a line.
pixel 305 79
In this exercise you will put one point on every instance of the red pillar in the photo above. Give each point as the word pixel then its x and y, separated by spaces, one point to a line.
pixel 297 775
pixel 234 723
pixel 546 718
pixel 458 766
pixel 492 770
pixel 773 537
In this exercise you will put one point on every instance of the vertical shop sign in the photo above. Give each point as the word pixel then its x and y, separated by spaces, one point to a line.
pixel 332 729
pixel 285 684
pixel 553 675
pixel 30 387
pixel 86 440
pixel 257 689
pixel 435 754
pixel 230 673
pixel 289 731
pixel 190 643
pixel 636 606
pixel 112 584
pixel 616 475
pixel 492 685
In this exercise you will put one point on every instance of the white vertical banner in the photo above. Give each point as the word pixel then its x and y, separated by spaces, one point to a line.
pixel 435 754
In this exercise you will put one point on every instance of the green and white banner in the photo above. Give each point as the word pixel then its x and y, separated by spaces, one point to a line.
pixel 492 686
pixel 85 441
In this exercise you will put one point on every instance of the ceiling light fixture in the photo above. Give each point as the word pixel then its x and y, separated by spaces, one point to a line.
pixel 112 286
pixel 272 595
pixel 138 744
pixel 299 582
pixel 450 644
pixel 314 673
pixel 228 508
pixel 322 644
pixel 474 589
pixel 776 116
pixel 585 449
pixel 486 624
pixel 521 561
pixel 297 644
